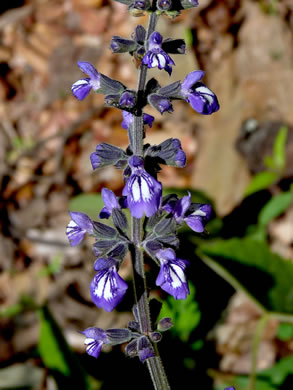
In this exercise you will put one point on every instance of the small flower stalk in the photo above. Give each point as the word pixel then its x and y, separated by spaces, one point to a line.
pixel 155 220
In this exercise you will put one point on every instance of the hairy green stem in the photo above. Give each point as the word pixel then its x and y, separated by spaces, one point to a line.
pixel 136 135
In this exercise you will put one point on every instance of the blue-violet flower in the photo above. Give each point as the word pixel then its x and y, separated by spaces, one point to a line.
pixel 198 95
pixel 95 338
pixel 82 87
pixel 156 56
pixel 107 287
pixel 142 190
pixel 79 225
pixel 171 277
pixel 196 215
pixel 111 202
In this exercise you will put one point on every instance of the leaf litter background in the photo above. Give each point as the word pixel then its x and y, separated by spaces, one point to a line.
pixel 46 136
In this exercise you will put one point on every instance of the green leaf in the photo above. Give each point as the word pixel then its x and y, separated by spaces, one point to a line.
pixel 185 314
pixel 251 266
pixel 11 311
pixel 279 149
pixel 285 332
pixel 57 356
pixel 269 162
pixel 242 382
pixel 53 267
pixel 26 302
pixel 275 207
pixel 279 372
pixel 188 38
pixel 90 204
pixel 261 181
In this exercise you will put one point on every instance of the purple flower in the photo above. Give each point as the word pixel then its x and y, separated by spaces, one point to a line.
pixel 156 56
pixel 142 190
pixel 128 120
pixel 107 288
pixel 110 202
pixel 196 215
pixel 95 338
pixel 127 99
pixel 171 277
pixel 82 87
pixel 79 225
pixel 198 95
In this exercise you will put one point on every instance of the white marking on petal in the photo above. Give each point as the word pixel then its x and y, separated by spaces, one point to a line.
pixel 106 286
pixel 108 293
pixel 89 341
pixel 145 189
pixel 100 286
pixel 78 83
pixel 71 227
pixel 200 213
pixel 177 275
pixel 91 347
pixel 135 189
pixel 162 60
pixel 154 61
pixel 208 94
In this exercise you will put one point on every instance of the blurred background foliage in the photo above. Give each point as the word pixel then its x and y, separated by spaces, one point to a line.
pixel 236 326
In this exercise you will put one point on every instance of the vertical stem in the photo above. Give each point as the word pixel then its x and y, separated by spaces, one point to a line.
pixel 255 347
pixel 136 135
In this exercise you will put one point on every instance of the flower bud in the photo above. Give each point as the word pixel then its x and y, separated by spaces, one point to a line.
pixel 156 337
pixel 107 154
pixel 165 324
pixel 122 45
pixel 164 5
pixel 145 349
pixel 160 103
